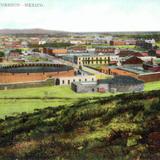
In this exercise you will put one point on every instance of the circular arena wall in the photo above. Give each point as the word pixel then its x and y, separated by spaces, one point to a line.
pixel 33 72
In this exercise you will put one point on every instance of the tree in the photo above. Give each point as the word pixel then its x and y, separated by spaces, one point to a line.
pixel 80 67
pixel 2 54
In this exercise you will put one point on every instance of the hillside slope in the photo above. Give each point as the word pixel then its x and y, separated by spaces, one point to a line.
pixel 30 31
pixel 125 127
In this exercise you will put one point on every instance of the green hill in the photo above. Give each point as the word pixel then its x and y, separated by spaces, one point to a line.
pixel 122 127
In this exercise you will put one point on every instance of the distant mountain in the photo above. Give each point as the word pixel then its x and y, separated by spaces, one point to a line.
pixel 30 31
pixel 39 31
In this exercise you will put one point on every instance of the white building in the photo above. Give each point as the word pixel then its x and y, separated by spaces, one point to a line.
pixel 69 80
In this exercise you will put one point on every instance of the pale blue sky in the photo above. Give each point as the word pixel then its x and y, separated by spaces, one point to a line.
pixel 83 15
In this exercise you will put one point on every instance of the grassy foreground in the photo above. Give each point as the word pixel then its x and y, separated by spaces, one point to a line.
pixel 121 127
pixel 62 95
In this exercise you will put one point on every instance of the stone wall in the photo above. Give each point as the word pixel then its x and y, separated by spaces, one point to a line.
pixel 126 88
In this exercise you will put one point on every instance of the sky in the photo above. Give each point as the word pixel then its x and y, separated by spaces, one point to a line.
pixel 82 15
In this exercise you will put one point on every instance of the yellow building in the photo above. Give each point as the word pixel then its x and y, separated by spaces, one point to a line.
pixel 91 60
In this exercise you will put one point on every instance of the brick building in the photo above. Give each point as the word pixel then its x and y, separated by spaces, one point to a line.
pixel 126 53
pixel 117 43
pixel 105 50
pixel 151 67
pixel 133 61
pixel 78 49
pixel 55 51
pixel 158 53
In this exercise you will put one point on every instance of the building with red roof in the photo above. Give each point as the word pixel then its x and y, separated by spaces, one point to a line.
pixel 133 61
pixel 158 53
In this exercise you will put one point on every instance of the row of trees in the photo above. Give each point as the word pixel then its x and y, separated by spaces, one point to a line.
pixel 54 45
pixel 146 35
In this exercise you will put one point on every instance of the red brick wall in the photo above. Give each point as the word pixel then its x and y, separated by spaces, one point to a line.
pixel 54 51
pixel 117 72
pixel 117 43
pixel 145 78
pixel 150 77
pixel 23 77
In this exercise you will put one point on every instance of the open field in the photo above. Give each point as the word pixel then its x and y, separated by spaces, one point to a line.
pixel 108 45
pixel 60 95
pixel 152 86
pixel 158 43
pixel 126 46
pixel 55 91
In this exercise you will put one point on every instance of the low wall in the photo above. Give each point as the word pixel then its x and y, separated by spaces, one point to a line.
pixel 150 77
pixel 48 82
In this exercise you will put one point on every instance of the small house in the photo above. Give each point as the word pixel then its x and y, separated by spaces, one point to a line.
pixel 84 87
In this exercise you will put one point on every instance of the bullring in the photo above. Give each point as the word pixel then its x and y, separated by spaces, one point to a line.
pixel 33 72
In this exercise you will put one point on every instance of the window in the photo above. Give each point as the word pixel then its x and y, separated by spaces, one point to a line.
pixel 73 80
pixel 63 82
pixel 68 81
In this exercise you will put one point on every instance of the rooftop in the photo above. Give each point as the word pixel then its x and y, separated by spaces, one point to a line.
pixel 122 80
pixel 137 70
pixel 86 83
pixel 133 69
pixel 106 47
pixel 34 68
pixel 98 55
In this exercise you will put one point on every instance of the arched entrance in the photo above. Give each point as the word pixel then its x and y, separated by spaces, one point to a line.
pixel 57 82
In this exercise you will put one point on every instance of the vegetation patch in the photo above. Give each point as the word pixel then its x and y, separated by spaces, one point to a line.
pixel 124 126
